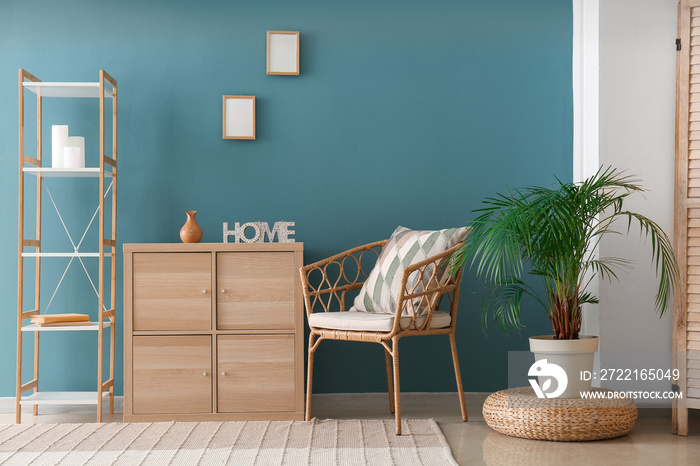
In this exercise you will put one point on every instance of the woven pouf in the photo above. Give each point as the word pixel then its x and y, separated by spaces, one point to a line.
pixel 519 413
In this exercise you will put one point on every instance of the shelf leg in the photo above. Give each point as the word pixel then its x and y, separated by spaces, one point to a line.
pixel 111 359
pixel 18 407
pixel 35 409
pixel 20 265
pixel 37 277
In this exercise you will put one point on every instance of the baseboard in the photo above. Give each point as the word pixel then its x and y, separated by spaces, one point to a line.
pixel 7 403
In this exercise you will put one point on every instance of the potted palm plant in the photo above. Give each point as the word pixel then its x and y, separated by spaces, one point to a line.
pixel 554 233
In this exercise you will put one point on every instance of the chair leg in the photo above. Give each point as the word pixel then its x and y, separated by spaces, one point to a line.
pixel 397 389
pixel 389 381
pixel 310 376
pixel 458 376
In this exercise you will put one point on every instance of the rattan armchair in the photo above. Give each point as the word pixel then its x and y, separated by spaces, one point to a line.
pixel 327 287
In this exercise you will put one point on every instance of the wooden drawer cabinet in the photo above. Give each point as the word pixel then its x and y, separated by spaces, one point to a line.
pixel 213 331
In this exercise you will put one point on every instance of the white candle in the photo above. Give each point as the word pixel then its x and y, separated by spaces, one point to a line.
pixel 59 140
pixel 78 141
pixel 71 157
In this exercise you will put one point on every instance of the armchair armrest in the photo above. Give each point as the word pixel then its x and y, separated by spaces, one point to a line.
pixel 325 283
pixel 423 286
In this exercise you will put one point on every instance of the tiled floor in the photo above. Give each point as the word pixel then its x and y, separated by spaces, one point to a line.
pixel 473 442
pixel 650 442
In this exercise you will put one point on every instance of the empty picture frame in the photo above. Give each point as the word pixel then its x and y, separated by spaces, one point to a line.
pixel 239 117
pixel 283 52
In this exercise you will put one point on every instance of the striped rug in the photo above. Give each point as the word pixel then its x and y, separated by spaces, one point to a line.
pixel 326 442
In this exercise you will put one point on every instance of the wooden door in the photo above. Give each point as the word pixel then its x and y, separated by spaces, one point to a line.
pixel 172 374
pixel 172 291
pixel 255 290
pixel 255 373
pixel 686 312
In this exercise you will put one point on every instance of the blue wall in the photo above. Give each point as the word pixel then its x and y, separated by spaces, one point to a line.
pixel 405 113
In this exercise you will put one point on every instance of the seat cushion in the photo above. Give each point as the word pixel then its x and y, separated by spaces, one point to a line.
pixel 380 292
pixel 371 322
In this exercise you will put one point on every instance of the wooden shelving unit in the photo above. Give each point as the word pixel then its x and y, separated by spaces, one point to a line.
pixel 105 88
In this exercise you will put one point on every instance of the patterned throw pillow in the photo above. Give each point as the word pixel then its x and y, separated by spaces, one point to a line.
pixel 381 290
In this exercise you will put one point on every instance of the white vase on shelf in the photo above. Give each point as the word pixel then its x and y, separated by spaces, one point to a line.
pixel 79 143
pixel 59 140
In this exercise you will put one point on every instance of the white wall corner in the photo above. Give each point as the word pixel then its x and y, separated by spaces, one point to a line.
pixel 585 77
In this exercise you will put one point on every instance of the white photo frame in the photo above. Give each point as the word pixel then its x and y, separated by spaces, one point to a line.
pixel 283 52
pixel 239 117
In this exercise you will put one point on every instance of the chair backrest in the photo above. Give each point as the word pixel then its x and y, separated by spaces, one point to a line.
pixel 331 284
pixel 424 287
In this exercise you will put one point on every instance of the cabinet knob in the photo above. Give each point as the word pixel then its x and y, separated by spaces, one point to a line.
pixel 223 373
pixel 204 291
pixel 204 374
pixel 223 291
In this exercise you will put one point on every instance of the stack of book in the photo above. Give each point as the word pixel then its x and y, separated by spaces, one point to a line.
pixel 58 320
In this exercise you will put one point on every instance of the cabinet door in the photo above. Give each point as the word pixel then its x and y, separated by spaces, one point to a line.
pixel 255 373
pixel 255 290
pixel 172 374
pixel 172 291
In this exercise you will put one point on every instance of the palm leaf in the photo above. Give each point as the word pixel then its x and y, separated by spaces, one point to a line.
pixel 555 232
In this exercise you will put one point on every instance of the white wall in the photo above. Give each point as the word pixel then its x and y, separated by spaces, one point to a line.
pixel 586 103
pixel 637 117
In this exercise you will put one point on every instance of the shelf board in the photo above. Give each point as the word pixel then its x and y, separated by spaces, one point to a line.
pixel 65 328
pixel 48 89
pixel 91 172
pixel 62 398
pixel 64 254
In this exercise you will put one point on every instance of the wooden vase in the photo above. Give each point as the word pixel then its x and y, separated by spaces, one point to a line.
pixel 191 232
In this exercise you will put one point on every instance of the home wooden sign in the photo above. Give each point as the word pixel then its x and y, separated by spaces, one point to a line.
pixel 261 230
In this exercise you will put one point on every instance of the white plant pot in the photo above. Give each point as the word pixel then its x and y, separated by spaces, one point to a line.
pixel 573 356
